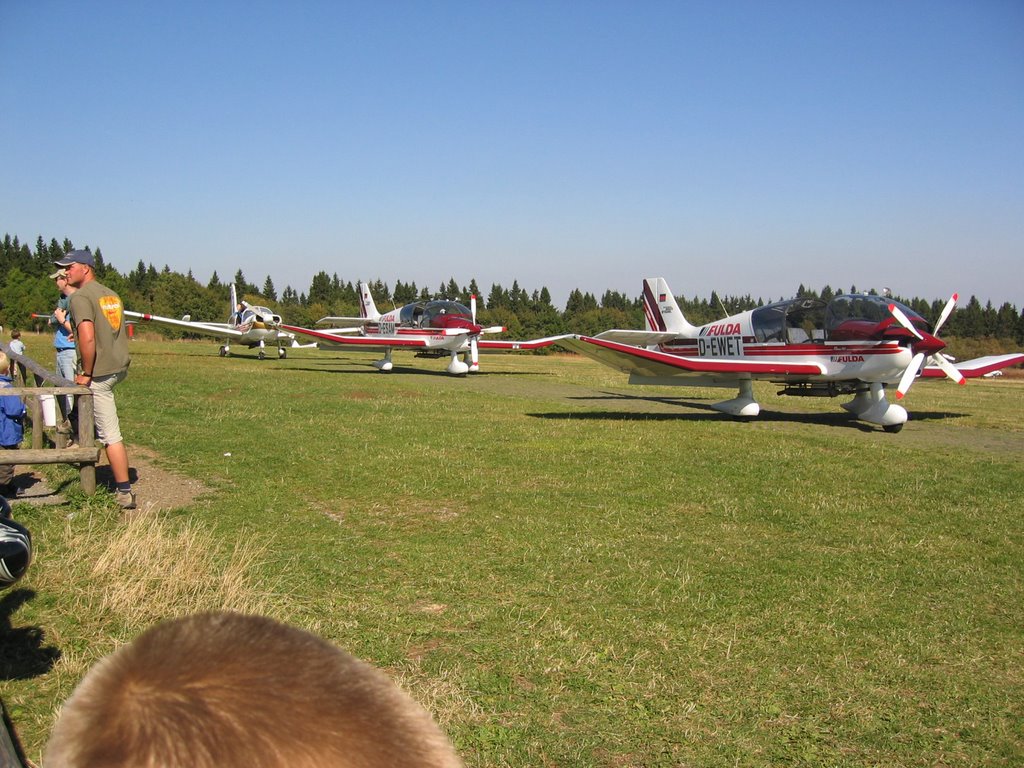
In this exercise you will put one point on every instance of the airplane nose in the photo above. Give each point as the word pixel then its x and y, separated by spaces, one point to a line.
pixel 929 345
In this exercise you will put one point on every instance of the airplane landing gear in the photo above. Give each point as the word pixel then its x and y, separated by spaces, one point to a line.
pixel 871 406
pixel 743 404
pixel 224 351
pixel 384 365
pixel 456 367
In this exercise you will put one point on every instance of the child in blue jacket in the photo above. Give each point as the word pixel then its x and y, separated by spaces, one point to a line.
pixel 12 425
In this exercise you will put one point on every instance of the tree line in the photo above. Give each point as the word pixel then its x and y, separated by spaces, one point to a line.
pixel 25 288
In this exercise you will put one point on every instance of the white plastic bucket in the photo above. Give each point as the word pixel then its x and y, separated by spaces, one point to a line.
pixel 49 410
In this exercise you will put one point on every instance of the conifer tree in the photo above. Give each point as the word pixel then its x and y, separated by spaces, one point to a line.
pixel 268 289
pixel 320 289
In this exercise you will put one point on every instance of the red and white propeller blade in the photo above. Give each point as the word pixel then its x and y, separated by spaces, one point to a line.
pixel 474 349
pixel 903 320
pixel 909 375
pixel 946 312
pixel 948 368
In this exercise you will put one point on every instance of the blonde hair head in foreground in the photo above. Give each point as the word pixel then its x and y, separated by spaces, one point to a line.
pixel 225 690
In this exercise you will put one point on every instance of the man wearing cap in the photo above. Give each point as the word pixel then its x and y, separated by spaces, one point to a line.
pixel 64 332
pixel 103 359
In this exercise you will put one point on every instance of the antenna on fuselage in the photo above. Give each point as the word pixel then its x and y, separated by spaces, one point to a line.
pixel 725 312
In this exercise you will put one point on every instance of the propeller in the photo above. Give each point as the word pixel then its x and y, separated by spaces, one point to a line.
pixel 928 346
pixel 474 349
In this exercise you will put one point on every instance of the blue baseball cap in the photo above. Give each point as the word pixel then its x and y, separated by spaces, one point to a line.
pixel 77 257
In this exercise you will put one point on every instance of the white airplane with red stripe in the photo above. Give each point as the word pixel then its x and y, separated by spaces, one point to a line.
pixel 853 345
pixel 247 324
pixel 433 328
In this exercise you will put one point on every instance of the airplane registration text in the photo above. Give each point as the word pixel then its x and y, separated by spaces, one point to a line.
pixel 720 346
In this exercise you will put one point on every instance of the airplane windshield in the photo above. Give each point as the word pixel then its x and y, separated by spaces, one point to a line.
pixel 259 315
pixel 865 308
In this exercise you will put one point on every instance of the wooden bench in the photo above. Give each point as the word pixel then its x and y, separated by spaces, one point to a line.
pixel 87 454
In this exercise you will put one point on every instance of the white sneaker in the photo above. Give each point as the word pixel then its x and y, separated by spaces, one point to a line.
pixel 126 499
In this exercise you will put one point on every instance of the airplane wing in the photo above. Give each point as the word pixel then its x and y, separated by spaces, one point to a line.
pixel 979 366
pixel 366 342
pixel 508 345
pixel 637 338
pixel 213 329
pixel 220 330
pixel 652 363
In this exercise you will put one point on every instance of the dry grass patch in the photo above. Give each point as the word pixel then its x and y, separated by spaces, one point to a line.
pixel 145 569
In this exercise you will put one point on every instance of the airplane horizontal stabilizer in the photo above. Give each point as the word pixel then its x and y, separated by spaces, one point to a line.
pixel 637 338
pixel 331 319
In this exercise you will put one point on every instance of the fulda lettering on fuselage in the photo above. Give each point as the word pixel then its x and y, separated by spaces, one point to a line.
pixel 847 358
pixel 722 329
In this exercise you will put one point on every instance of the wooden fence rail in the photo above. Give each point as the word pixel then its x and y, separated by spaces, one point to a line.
pixel 87 454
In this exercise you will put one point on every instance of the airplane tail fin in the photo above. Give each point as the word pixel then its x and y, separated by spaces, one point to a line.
pixel 661 310
pixel 367 307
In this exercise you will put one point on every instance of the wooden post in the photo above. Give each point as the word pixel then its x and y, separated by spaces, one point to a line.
pixel 35 412
pixel 87 440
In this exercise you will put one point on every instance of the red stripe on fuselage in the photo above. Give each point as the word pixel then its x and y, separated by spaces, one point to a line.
pixel 789 350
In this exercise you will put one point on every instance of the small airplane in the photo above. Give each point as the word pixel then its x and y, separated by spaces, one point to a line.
pixel 247 324
pixel 854 344
pixel 435 328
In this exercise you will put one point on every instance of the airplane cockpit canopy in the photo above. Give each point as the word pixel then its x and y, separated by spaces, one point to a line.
pixel 793 321
pixel 428 314
pixel 809 320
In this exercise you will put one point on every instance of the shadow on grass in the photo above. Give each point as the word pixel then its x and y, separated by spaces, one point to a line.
pixel 269 355
pixel 186 353
pixel 839 419
pixel 24 654
pixel 359 369
pixel 105 477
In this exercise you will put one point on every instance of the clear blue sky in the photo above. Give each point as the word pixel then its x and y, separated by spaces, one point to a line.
pixel 746 147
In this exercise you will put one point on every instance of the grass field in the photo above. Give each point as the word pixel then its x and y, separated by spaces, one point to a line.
pixel 568 571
